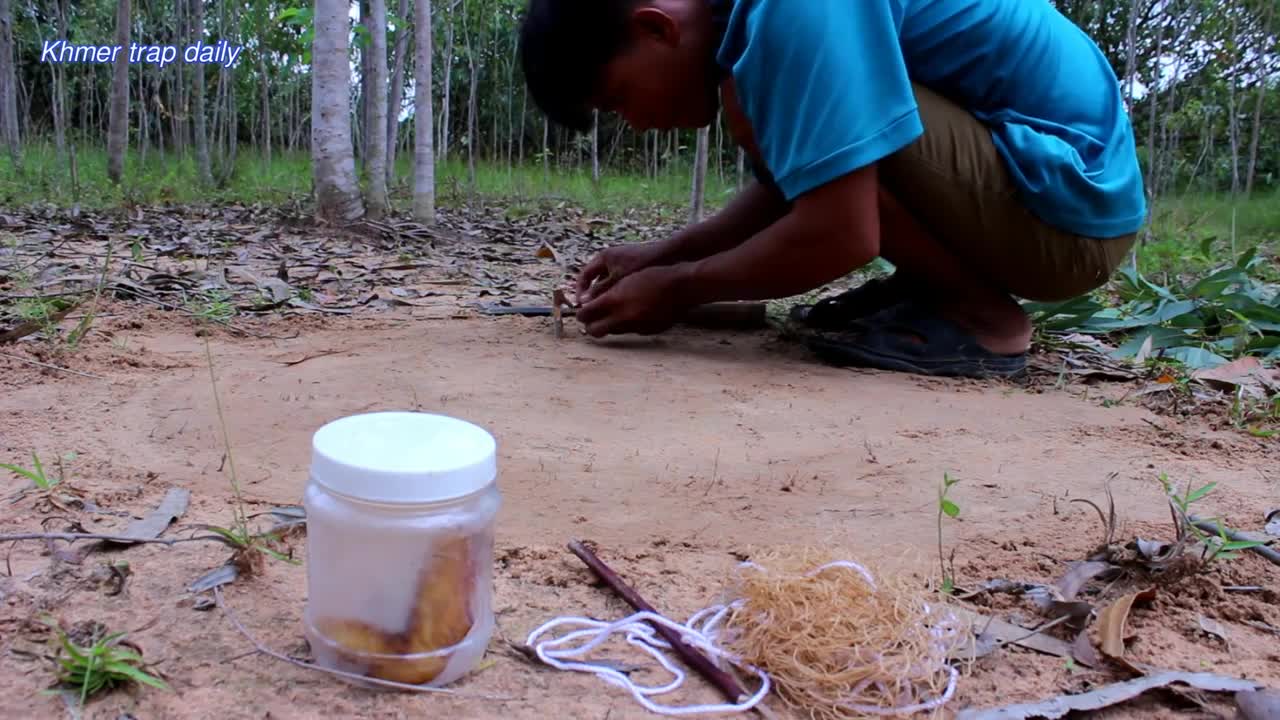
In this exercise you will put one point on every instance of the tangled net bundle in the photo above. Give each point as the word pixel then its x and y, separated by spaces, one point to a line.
pixel 837 641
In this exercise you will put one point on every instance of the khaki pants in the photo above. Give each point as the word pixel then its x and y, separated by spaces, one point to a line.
pixel 954 181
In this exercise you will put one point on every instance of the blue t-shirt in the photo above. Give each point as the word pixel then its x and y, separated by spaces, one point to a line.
pixel 826 86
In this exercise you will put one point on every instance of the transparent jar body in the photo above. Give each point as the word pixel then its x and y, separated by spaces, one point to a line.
pixel 397 591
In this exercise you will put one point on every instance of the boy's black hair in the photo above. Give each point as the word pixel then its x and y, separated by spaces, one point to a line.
pixel 564 46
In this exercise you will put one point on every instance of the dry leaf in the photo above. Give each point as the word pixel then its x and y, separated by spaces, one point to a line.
pixel 1111 622
pixel 1109 695
pixel 1083 651
pixel 995 634
pixel 1246 372
pixel 1215 628
pixel 1077 575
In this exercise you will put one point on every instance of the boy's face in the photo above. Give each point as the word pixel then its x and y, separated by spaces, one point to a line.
pixel 663 78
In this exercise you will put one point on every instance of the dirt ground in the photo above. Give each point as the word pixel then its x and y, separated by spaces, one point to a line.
pixel 676 455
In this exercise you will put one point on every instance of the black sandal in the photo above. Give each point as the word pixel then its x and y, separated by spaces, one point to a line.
pixel 909 337
pixel 838 311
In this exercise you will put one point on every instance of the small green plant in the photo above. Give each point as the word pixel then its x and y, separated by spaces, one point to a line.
pixel 36 474
pixel 213 306
pixel 1217 546
pixel 108 661
pixel 950 509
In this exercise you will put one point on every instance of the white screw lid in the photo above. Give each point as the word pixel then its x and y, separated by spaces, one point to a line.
pixel 403 457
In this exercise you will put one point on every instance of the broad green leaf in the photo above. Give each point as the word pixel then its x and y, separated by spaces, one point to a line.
pixel 1195 357
pixel 950 508
pixel 1212 287
pixel 1161 338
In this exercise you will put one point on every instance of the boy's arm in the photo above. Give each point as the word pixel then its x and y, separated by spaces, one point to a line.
pixel 829 232
pixel 754 208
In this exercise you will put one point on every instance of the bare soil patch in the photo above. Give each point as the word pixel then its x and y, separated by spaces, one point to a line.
pixel 677 455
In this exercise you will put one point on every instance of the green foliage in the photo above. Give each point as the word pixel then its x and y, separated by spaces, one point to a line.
pixel 287 178
pixel 948 508
pixel 1217 547
pixel 36 474
pixel 1226 314
pixel 103 664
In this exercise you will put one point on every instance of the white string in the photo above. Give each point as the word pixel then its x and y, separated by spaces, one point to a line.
pixel 644 636
pixel 701 632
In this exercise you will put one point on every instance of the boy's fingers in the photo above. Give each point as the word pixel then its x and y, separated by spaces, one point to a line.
pixel 593 269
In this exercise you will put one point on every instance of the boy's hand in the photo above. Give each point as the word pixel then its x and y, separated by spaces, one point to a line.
pixel 644 302
pixel 611 265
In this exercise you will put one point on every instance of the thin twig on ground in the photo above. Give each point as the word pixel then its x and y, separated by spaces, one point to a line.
pixel 59 368
pixel 263 649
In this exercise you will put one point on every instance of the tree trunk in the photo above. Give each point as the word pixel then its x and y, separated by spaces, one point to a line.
pixel 700 174
pixel 376 86
pixel 742 162
pixel 332 161
pixel 8 85
pixel 142 117
pixel 448 85
pixel 58 75
pixel 118 129
pixel 1255 130
pixel 233 116
pixel 471 101
pixel 546 152
pixel 524 109
pixel 201 130
pixel 397 90
pixel 511 102
pixel 595 147
pixel 719 149
pixel 424 164
pixel 361 129
pixel 265 91
pixel 1233 123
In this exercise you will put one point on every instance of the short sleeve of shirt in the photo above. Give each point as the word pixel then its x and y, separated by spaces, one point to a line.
pixel 823 84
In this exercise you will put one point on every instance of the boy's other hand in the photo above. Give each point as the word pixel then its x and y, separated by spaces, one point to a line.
pixel 612 265
pixel 644 302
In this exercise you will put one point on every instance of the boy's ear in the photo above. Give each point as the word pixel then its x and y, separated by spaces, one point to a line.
pixel 655 24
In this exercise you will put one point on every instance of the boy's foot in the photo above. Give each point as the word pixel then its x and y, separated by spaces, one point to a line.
pixel 837 311
pixel 910 337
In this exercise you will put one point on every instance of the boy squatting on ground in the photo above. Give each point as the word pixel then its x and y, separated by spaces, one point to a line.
pixel 981 146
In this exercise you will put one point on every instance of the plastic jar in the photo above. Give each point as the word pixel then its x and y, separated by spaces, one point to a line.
pixel 400 525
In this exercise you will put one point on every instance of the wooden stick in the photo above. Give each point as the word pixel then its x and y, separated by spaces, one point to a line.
pixel 723 681
pixel 1212 527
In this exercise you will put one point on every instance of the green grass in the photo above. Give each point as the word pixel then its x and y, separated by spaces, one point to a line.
pixel 44 178
pixel 1193 233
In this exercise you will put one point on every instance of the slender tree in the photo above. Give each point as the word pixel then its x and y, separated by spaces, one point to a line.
pixel 377 89
pixel 424 171
pixel 700 174
pixel 332 160
pixel 403 34
pixel 201 129
pixel 8 85
pixel 118 129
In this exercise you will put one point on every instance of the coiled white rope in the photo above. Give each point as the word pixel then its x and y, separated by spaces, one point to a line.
pixel 701 633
